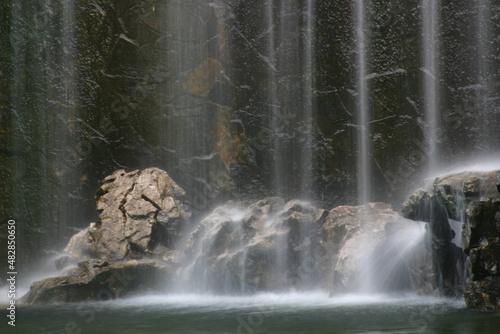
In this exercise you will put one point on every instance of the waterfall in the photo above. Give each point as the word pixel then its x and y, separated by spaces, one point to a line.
pixel 203 79
pixel 306 186
pixel 362 108
pixel 287 164
pixel 189 74
pixel 44 99
pixel 363 136
pixel 431 76
pixel 485 77
pixel 290 49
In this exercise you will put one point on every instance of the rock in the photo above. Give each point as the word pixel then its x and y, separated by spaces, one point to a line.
pixel 273 245
pixel 81 245
pixel 472 199
pixel 481 238
pixel 365 242
pixel 255 248
pixel 483 294
pixel 98 280
pixel 138 211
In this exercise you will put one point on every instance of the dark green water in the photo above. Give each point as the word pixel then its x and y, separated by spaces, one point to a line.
pixel 291 313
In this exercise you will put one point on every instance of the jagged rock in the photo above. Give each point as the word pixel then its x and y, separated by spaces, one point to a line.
pixel 360 242
pixel 481 238
pixel 98 280
pixel 273 245
pixel 472 199
pixel 453 191
pixel 138 212
pixel 260 247
pixel 81 245
pixel 483 294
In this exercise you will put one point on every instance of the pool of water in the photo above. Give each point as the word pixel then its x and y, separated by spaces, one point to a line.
pixel 307 313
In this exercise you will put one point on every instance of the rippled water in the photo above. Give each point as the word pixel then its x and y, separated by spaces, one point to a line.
pixel 265 313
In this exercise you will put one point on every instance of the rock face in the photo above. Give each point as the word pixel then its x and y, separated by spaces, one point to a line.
pixel 472 199
pixel 140 212
pixel 141 217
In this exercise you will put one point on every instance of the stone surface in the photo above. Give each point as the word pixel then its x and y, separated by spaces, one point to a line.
pixel 366 247
pixel 100 280
pixel 481 236
pixel 471 198
pixel 277 245
pixel 252 248
pixel 139 211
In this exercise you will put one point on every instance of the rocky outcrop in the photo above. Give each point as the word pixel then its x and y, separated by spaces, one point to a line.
pixel 481 237
pixel 141 218
pixel 274 245
pixel 100 280
pixel 140 212
pixel 473 249
pixel 250 248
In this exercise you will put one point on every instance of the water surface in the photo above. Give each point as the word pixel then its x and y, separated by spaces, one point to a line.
pixel 265 313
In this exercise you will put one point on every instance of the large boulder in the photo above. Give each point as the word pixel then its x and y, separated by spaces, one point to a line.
pixel 240 248
pixel 463 210
pixel 372 248
pixel 130 249
pixel 100 280
pixel 140 212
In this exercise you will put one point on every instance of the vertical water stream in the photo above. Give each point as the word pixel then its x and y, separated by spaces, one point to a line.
pixel 431 76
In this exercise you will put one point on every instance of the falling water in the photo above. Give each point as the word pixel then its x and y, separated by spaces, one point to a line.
pixel 284 120
pixel 308 92
pixel 389 268
pixel 431 96
pixel 66 104
pixel 191 68
pixel 363 139
pixel 484 73
pixel 363 111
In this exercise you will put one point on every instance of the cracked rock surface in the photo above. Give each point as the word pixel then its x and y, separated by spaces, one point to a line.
pixel 140 212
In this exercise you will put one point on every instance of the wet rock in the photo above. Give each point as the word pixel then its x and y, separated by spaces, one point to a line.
pixel 481 237
pixel 484 294
pixel 360 244
pixel 472 199
pixel 251 248
pixel 98 280
pixel 277 245
pixel 138 211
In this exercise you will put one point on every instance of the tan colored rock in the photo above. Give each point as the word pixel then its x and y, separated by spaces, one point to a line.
pixel 138 211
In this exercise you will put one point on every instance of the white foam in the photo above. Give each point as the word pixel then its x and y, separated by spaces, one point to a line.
pixel 276 301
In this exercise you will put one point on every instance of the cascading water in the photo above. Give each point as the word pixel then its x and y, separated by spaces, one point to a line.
pixel 431 76
pixel 363 137
pixel 485 79
pixel 363 111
